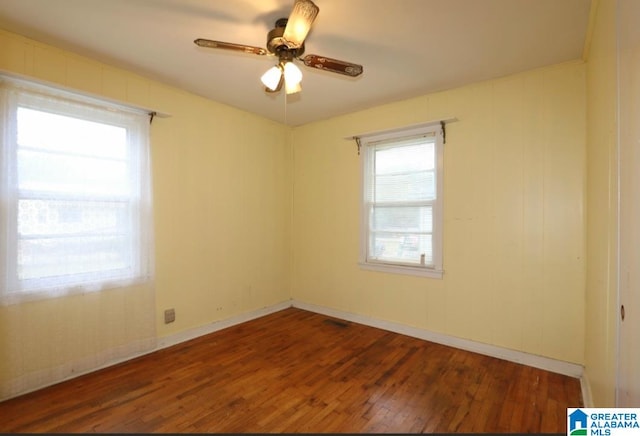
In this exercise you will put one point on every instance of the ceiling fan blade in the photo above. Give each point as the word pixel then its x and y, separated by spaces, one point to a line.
pixel 230 46
pixel 299 23
pixel 333 65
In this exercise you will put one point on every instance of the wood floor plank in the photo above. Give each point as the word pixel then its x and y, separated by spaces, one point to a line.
pixel 296 371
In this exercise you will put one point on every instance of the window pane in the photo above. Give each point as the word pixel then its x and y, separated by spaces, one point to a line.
pixel 68 217
pixel 415 186
pixel 401 247
pixel 58 238
pixel 59 133
pixel 70 174
pixel 405 173
pixel 402 219
pixel 54 257
pixel 410 158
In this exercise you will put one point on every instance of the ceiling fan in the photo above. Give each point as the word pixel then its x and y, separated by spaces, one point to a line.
pixel 286 41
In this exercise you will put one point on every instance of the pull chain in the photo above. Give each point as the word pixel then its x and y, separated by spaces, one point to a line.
pixel 285 107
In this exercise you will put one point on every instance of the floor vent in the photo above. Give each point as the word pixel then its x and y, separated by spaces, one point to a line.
pixel 336 323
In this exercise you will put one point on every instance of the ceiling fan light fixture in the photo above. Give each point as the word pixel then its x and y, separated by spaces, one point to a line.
pixel 299 23
pixel 271 78
pixel 292 74
pixel 292 88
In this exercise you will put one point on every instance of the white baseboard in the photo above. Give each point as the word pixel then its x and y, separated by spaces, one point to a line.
pixel 560 367
pixel 43 378
pixel 70 370
pixel 174 339
pixel 541 362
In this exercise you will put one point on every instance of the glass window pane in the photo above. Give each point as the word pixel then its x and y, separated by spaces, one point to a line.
pixel 410 158
pixel 59 133
pixel 401 247
pixel 54 257
pixel 70 174
pixel 405 173
pixel 399 219
pixel 417 186
pixel 69 217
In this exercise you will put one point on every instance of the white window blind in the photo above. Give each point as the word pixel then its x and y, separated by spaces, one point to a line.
pixel 402 201
pixel 75 185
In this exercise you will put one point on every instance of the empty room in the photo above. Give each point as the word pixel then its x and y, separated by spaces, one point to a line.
pixel 290 216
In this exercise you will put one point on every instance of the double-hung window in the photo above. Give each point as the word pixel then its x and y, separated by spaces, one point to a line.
pixel 402 201
pixel 74 194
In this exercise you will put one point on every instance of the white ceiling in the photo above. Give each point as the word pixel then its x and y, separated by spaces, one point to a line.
pixel 407 47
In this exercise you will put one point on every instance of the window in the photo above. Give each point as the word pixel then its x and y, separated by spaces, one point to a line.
pixel 75 185
pixel 402 201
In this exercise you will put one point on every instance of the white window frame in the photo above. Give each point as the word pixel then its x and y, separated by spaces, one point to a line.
pixel 366 145
pixel 15 290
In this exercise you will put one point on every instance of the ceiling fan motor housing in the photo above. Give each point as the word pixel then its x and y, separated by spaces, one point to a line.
pixel 277 45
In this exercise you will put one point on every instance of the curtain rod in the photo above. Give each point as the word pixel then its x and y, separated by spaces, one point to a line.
pixel 442 121
pixel 399 129
pixel 99 99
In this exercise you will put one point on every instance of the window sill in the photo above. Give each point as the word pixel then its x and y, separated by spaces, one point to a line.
pixel 401 269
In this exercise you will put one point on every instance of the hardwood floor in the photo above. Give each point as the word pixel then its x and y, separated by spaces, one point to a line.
pixel 296 371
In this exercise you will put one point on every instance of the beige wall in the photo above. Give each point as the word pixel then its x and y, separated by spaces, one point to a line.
pixel 602 176
pixel 514 219
pixel 222 209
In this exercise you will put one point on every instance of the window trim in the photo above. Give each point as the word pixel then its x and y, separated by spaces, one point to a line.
pixel 366 142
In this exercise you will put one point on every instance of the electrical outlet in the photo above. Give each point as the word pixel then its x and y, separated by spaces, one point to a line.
pixel 169 316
